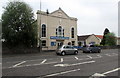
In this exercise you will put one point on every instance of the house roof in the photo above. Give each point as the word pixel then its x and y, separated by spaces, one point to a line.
pixel 99 36
pixel 84 37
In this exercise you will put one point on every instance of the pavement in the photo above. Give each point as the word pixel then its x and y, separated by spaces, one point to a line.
pixel 89 65
pixel 29 54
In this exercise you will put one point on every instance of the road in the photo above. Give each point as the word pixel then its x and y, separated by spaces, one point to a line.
pixel 44 66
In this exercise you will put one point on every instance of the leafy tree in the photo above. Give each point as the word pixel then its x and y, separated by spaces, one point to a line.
pixel 0 27
pixel 18 24
pixel 104 37
pixel 110 39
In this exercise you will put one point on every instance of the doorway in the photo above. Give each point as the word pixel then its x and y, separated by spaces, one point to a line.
pixel 59 44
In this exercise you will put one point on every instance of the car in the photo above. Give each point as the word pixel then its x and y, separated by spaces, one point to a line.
pixel 78 47
pixel 66 49
pixel 91 49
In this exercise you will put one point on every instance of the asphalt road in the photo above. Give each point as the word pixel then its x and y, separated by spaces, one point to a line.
pixel 51 65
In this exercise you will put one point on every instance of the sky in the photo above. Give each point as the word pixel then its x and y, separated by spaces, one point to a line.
pixel 93 15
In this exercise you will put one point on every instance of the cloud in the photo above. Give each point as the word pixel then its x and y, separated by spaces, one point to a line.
pixel 93 15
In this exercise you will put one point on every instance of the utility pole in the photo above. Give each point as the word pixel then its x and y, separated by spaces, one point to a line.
pixel 40 41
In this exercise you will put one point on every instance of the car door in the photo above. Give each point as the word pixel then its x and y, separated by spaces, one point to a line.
pixel 94 49
pixel 72 50
pixel 67 49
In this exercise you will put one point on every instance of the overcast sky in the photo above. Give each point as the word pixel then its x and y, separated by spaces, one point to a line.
pixel 93 15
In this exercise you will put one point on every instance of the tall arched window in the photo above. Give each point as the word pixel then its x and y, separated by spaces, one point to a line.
pixel 43 30
pixel 72 32
pixel 60 32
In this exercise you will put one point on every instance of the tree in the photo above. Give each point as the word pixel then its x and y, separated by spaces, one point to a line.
pixel 110 39
pixel 104 37
pixel 18 24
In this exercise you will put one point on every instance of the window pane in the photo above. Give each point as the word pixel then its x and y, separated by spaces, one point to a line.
pixel 43 30
pixel 72 32
pixel 43 43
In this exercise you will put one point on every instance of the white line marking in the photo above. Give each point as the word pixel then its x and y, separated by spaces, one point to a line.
pixel 111 71
pixel 44 61
pixel 62 72
pixel 65 65
pixel 107 54
pixel 61 60
pixel 19 64
pixel 104 74
pixel 82 63
pixel 80 59
pixel 89 56
pixel 76 58
pixel 61 65
pixel 114 54
pixel 34 65
pixel 99 56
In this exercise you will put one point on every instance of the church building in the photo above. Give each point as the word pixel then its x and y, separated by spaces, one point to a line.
pixel 57 29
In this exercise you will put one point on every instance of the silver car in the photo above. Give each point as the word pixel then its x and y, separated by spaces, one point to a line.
pixel 66 49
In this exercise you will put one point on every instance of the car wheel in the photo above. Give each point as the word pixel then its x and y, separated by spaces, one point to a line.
pixel 99 51
pixel 76 52
pixel 63 53
pixel 90 51
pixel 57 54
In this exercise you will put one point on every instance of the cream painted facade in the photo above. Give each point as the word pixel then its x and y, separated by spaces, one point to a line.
pixel 58 29
pixel 88 39
pixel 92 39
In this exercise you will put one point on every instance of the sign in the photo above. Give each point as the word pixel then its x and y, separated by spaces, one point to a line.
pixel 53 43
pixel 54 37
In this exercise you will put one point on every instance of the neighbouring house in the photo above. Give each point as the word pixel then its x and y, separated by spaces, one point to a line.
pixel 100 37
pixel 89 39
pixel 57 28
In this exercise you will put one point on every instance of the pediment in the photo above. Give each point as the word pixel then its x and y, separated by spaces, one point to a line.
pixel 59 13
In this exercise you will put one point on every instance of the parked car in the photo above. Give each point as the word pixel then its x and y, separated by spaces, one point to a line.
pixel 78 47
pixel 91 48
pixel 66 49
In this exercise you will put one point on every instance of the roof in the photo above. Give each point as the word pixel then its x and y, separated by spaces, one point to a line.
pixel 53 14
pixel 99 36
pixel 84 37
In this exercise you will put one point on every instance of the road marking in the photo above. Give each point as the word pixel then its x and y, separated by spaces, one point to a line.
pixel 89 56
pixel 114 54
pixel 19 64
pixel 61 65
pixel 107 54
pixel 44 61
pixel 65 65
pixel 62 72
pixel 61 60
pixel 104 74
pixel 99 56
pixel 111 71
pixel 32 65
pixel 76 58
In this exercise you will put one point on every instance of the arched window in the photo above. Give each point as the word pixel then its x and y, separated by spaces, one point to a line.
pixel 72 32
pixel 43 30
pixel 60 31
